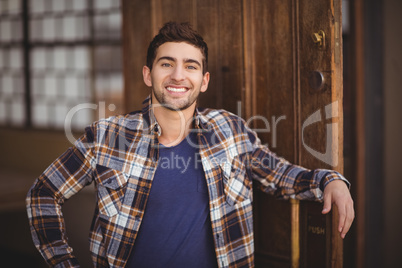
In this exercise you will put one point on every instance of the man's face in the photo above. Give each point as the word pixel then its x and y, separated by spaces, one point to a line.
pixel 176 77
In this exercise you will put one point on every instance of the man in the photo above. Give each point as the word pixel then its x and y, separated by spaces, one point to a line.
pixel 174 182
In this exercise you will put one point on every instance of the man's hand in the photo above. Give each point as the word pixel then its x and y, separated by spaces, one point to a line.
pixel 337 192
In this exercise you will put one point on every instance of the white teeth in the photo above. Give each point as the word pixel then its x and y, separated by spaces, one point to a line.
pixel 175 89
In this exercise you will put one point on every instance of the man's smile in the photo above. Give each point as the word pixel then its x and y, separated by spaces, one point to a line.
pixel 177 89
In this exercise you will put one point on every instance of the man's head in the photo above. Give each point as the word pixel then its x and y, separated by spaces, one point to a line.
pixel 177 32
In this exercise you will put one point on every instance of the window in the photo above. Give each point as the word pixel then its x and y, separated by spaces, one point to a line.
pixel 68 56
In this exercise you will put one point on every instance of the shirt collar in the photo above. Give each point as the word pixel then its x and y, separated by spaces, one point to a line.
pixel 151 125
pixel 201 121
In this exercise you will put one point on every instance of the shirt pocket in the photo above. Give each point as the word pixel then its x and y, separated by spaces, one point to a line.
pixel 111 187
pixel 237 186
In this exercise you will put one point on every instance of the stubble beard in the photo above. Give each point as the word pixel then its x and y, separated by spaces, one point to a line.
pixel 163 100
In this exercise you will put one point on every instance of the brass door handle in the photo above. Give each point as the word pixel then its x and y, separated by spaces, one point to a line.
pixel 319 38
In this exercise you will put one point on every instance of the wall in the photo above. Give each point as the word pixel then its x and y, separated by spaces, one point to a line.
pixel 25 154
pixel 392 133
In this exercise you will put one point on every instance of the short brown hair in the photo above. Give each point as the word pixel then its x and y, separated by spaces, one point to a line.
pixel 177 32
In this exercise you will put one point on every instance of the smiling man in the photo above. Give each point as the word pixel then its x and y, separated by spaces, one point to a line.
pixel 174 181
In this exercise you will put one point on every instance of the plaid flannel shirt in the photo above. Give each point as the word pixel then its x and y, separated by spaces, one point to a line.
pixel 120 154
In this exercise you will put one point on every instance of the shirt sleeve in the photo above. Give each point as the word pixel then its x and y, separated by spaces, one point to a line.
pixel 285 180
pixel 66 176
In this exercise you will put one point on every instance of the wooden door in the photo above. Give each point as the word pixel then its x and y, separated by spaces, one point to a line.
pixel 266 67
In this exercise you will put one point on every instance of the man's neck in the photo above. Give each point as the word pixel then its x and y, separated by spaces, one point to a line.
pixel 175 125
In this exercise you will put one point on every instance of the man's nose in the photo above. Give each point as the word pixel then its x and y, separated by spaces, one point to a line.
pixel 178 73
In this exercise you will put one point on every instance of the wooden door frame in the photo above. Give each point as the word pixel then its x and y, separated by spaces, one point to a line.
pixel 367 73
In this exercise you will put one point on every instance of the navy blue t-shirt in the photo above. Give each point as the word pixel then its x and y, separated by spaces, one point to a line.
pixel 176 228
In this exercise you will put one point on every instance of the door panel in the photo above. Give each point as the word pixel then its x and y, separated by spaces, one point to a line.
pixel 272 97
pixel 266 68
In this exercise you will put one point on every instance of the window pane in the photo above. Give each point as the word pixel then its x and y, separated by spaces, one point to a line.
pixel 84 87
pixel 104 4
pixel 18 83
pixel 37 86
pixel 82 24
pixel 7 85
pixel 59 28
pixel 116 83
pixel 13 7
pixel 37 6
pixel 50 87
pixel 59 5
pixel 83 118
pixel 69 28
pixel 5 30
pixel 115 24
pixel 15 58
pixel 80 5
pixel 38 59
pixel 60 73
pixel 49 28
pixel 36 29
pixel 81 58
pixel 60 115
pixel 39 114
pixel 60 58
pixel 3 111
pixel 71 87
pixel 16 28
pixel 108 58
pixel 17 112
pixel 2 59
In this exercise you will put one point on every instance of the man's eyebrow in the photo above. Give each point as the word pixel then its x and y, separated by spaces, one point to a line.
pixel 166 58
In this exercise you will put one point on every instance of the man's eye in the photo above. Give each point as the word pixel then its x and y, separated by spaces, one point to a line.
pixel 191 67
pixel 166 65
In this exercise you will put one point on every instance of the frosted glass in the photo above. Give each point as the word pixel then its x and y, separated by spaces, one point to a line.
pixel 13 7
pixel 38 59
pixel 40 114
pixel 103 4
pixel 101 85
pixel 80 5
pixel 82 118
pixel 60 113
pixel 35 28
pixel 3 112
pixel 16 29
pixel 7 84
pixel 37 87
pixel 50 86
pixel 2 58
pixel 81 58
pixel 115 23
pixel 60 59
pixel 5 30
pixel 18 83
pixel 17 112
pixel 116 83
pixel 15 58
pixel 37 6
pixel 59 5
pixel 69 28
pixel 82 27
pixel 84 89
pixel 49 31
pixel 70 87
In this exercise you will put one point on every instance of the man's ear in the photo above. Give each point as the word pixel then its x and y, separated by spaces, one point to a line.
pixel 205 82
pixel 146 74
